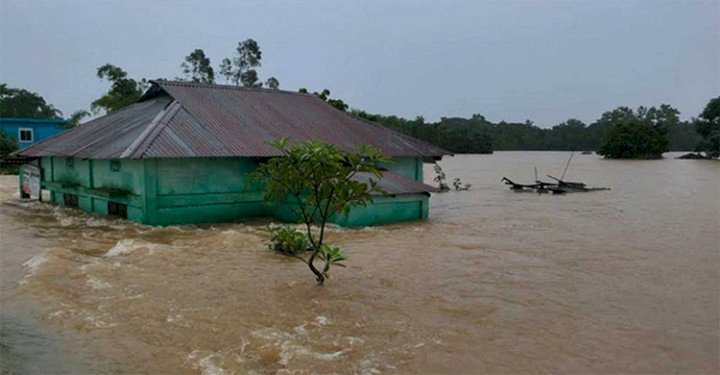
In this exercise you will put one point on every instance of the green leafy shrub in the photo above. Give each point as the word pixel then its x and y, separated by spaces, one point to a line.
pixel 331 255
pixel 319 178
pixel 287 240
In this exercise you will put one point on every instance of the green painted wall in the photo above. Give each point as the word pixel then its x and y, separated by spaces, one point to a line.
pixel 204 190
pixel 382 210
pixel 96 183
pixel 126 175
pixel 407 167
pixel 201 190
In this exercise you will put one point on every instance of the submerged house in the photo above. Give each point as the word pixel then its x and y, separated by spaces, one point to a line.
pixel 184 152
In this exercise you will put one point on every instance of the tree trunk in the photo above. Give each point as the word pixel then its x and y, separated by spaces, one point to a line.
pixel 318 275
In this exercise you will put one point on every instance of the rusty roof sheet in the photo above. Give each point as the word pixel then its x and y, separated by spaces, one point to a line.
pixel 396 184
pixel 105 137
pixel 182 119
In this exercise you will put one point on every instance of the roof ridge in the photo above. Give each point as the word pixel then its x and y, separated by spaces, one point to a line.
pixel 162 82
pixel 138 147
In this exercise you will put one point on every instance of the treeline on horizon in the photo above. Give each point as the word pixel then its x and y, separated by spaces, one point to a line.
pixel 478 135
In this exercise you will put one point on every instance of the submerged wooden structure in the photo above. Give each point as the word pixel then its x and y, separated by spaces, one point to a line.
pixel 559 187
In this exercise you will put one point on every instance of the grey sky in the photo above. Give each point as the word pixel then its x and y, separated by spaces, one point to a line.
pixel 544 61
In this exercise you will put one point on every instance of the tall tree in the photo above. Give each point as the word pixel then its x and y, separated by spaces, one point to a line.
pixel 272 83
pixel 197 67
pixel 123 90
pixel 240 69
pixel 15 102
pixel 708 126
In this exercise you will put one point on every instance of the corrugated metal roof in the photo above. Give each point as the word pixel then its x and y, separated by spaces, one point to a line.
pixel 182 119
pixel 395 184
pixel 105 137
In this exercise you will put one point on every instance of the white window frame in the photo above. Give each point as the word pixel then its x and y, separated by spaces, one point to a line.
pixel 32 135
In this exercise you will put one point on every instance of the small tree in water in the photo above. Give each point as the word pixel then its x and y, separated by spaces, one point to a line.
pixel 320 179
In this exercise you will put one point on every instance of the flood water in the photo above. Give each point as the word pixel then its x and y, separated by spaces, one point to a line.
pixel 626 280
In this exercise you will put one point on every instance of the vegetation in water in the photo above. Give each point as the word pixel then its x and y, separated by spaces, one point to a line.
pixel 634 139
pixel 441 180
pixel 459 185
pixel 708 126
pixel 319 180
pixel 287 240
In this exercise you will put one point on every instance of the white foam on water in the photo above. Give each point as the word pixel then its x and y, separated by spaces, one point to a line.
pixel 367 368
pixel 290 348
pixel 205 364
pixel 97 284
pixel 328 356
pixel 300 330
pixel 173 318
pixel 33 265
pixel 127 246
pixel 97 322
pixel 122 247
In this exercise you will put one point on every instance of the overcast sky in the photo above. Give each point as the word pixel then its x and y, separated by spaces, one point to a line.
pixel 544 61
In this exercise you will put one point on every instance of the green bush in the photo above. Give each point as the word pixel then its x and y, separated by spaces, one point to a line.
pixel 634 139
pixel 287 240
pixel 7 144
pixel 331 255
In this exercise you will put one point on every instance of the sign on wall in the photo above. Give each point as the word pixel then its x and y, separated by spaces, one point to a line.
pixel 30 183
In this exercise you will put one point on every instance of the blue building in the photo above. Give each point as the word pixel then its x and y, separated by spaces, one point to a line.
pixel 28 131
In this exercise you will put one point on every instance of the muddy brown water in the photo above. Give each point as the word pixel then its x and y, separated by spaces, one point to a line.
pixel 626 280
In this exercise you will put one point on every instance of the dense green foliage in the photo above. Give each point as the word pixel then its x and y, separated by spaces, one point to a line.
pixel 240 69
pixel 318 178
pixel 641 134
pixel 123 90
pixel 478 135
pixel 633 139
pixel 325 96
pixel 15 102
pixel 8 144
pixel 197 68
pixel 272 83
pixel 708 126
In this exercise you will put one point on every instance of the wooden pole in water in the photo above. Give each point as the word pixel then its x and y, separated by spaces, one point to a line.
pixel 566 166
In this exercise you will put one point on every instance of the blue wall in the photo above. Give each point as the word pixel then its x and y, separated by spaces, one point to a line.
pixel 42 128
